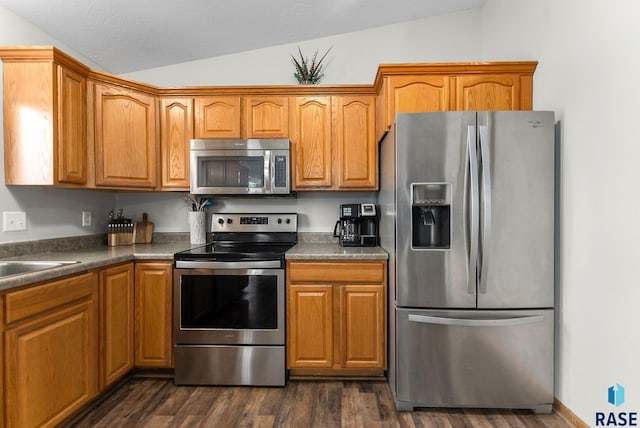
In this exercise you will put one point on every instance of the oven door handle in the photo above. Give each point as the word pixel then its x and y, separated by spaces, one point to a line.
pixel 207 264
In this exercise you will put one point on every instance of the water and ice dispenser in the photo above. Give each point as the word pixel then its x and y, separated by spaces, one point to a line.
pixel 431 216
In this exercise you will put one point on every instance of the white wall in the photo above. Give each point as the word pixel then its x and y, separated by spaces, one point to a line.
pixel 50 212
pixel 354 57
pixel 589 57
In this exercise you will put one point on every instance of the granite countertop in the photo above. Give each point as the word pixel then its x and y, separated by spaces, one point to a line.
pixel 91 253
pixel 90 258
pixel 333 251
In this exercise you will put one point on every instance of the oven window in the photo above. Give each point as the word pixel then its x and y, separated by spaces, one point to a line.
pixel 229 301
pixel 231 171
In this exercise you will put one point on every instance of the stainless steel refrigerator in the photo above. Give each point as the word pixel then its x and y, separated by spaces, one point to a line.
pixel 467 216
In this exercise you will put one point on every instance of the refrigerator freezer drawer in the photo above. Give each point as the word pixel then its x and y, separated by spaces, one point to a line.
pixel 489 359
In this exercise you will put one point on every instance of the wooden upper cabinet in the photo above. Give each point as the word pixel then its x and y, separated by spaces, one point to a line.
pixel 311 148
pixel 217 117
pixel 491 92
pixel 409 88
pixel 72 127
pixel 45 139
pixel 125 137
pixel 266 117
pixel 176 131
pixel 410 94
pixel 354 143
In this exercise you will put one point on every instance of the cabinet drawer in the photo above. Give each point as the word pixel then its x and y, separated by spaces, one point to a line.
pixel 366 272
pixel 31 301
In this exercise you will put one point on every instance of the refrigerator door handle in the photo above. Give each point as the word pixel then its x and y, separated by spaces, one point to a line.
pixel 473 217
pixel 486 206
pixel 466 322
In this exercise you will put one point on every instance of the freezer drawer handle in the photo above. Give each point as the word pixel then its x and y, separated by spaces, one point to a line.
pixel 464 322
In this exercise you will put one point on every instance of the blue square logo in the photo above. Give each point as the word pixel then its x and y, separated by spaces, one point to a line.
pixel 616 395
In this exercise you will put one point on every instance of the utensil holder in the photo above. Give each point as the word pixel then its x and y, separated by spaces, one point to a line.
pixel 197 226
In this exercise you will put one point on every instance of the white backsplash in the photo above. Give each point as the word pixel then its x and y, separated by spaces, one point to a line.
pixel 317 211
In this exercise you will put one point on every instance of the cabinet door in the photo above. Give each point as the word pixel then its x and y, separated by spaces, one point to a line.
pixel 310 325
pixel 411 94
pixel 311 151
pixel 217 117
pixel 488 92
pixel 72 127
pixel 362 326
pixel 125 138
pixel 267 117
pixel 116 296
pixel 153 343
pixel 53 358
pixel 176 131
pixel 354 142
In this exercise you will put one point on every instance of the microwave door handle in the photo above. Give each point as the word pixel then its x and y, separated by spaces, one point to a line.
pixel 268 172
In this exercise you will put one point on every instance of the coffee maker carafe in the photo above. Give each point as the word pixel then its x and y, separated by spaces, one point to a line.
pixel 358 225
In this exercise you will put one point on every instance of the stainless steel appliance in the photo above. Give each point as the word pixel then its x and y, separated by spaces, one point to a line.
pixel 229 302
pixel 357 226
pixel 467 217
pixel 240 167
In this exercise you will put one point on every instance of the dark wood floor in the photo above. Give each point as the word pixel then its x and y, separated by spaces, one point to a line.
pixel 159 403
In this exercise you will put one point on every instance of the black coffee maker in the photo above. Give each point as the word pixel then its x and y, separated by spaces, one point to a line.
pixel 358 225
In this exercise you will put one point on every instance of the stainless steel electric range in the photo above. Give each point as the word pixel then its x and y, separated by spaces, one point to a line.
pixel 229 302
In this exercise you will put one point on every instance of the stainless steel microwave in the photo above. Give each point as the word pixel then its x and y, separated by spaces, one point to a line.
pixel 240 167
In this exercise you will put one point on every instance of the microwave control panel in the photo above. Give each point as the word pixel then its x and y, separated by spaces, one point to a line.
pixel 280 180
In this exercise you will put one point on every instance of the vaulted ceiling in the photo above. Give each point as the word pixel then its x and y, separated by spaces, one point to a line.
pixel 130 35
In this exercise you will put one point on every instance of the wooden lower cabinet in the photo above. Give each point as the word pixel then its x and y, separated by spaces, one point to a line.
pixel 310 325
pixel 116 318
pixel 153 309
pixel 51 350
pixel 362 325
pixel 336 317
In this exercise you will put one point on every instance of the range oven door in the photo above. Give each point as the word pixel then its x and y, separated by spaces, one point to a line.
pixel 220 306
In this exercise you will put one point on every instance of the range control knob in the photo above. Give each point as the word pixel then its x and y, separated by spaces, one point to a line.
pixel 288 221
pixel 220 221
pixel 279 221
pixel 229 221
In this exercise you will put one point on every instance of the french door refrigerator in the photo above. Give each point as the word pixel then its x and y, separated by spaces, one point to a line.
pixel 467 217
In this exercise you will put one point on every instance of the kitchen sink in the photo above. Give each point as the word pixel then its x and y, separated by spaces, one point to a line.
pixel 10 268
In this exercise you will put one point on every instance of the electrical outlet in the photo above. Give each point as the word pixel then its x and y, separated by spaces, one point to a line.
pixel 13 221
pixel 86 218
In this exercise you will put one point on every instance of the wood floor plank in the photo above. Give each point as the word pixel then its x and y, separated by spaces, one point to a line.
pixel 158 403
pixel 351 414
pixel 327 404
pixel 406 420
pixel 295 409
pixel 138 401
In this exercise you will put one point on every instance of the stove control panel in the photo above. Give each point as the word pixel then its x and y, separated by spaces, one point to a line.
pixel 243 222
